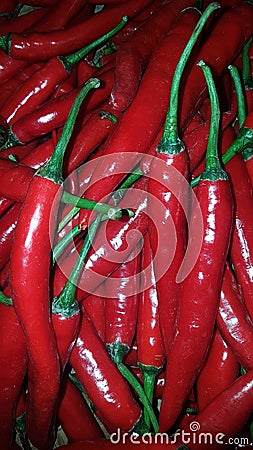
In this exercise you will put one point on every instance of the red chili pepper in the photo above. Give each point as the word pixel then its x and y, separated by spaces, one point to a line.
pixel 13 358
pixel 150 351
pixel 75 416
pixel 34 91
pixel 21 23
pixel 121 305
pixel 233 320
pixel 32 244
pixel 101 379
pixel 218 373
pixel 155 84
pixel 43 46
pixel 133 56
pixel 247 77
pixel 53 114
pixel 197 312
pixel 247 153
pixel 7 6
pixel 15 179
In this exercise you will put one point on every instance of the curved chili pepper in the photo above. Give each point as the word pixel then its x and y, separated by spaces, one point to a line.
pixel 233 320
pixel 43 46
pixel 32 244
pixel 13 359
pixel 34 91
pixel 21 23
pixel 75 415
pixel 197 311
pixel 15 179
pixel 133 56
pixel 218 373
pixel 101 379
pixel 155 83
pixel 53 114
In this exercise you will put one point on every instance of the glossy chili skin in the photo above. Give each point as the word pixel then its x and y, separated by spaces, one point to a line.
pixel 101 379
pixel 121 306
pixel 127 136
pixel 9 66
pixel 13 358
pixel 197 312
pixel 234 24
pixel 23 22
pixel 233 320
pixel 30 262
pixel 75 415
pixel 133 56
pixel 58 15
pixel 53 114
pixel 15 179
pixel 41 47
pixel 218 373
pixel 150 351
pixel 173 198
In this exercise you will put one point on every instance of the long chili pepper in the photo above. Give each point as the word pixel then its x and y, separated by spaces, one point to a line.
pixel 32 248
pixel 241 251
pixel 150 351
pixel 133 56
pixel 234 28
pixel 199 297
pixel 75 415
pixel 155 83
pixel 121 303
pixel 101 379
pixel 13 359
pixel 218 373
pixel 21 23
pixel 53 114
pixel 170 154
pixel 40 85
pixel 43 46
pixel 233 320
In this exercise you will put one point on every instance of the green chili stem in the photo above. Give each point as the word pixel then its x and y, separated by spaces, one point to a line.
pixel 67 218
pixel 246 72
pixel 71 199
pixel 213 170
pixel 239 94
pixel 127 374
pixel 108 115
pixel 62 244
pixel 70 60
pixel 170 142
pixel 66 298
pixel 5 300
pixel 53 168
pixel 148 385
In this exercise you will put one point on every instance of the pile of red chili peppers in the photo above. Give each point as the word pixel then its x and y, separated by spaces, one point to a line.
pixel 126 224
